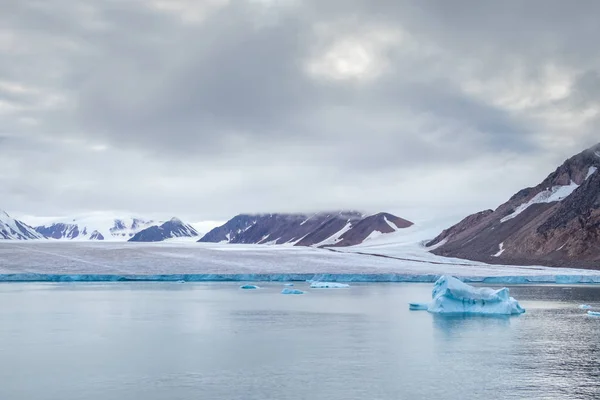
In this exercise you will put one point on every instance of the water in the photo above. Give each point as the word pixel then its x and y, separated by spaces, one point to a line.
pixel 213 341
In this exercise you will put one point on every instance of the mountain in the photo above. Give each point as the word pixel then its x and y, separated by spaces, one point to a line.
pixel 170 229
pixel 96 226
pixel 555 223
pixel 343 228
pixel 12 229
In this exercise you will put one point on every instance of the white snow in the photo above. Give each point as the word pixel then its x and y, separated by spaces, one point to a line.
pixel 9 227
pixel 556 193
pixel 499 253
pixel 390 223
pixel 104 222
pixel 591 172
pixel 373 235
pixel 126 258
pixel 333 239
pixel 451 296
pixel 597 153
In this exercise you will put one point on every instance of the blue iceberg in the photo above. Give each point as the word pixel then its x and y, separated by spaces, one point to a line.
pixel 585 307
pixel 418 306
pixel 594 313
pixel 451 296
pixel 249 287
pixel 291 291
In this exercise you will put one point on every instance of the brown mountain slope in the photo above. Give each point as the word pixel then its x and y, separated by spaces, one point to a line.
pixel 555 223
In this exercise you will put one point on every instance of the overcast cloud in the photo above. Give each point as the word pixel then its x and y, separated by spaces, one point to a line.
pixel 207 108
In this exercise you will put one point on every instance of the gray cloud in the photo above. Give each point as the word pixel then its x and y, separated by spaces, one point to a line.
pixel 209 108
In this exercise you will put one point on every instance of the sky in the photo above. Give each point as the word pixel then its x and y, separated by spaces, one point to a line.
pixel 205 109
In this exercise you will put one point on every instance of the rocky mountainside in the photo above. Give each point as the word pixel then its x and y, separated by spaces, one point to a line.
pixel 173 228
pixel 343 228
pixel 555 223
pixel 95 227
pixel 12 229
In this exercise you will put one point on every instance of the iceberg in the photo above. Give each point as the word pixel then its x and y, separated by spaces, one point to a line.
pixel 291 291
pixel 594 313
pixel 249 287
pixel 288 284
pixel 418 306
pixel 328 285
pixel 451 296
pixel 585 307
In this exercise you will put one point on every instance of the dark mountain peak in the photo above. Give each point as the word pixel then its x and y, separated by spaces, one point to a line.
pixel 554 223
pixel 300 229
pixel 172 228
pixel 95 235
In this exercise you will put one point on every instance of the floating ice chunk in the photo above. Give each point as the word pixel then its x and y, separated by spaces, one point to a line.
pixel 594 313
pixel 328 285
pixel 451 296
pixel 181 281
pixel 585 307
pixel 291 291
pixel 249 287
pixel 418 306
pixel 288 284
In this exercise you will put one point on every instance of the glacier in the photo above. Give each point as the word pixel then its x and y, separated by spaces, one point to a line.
pixel 301 277
pixel 451 296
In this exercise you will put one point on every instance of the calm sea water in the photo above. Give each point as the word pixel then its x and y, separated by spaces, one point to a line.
pixel 213 341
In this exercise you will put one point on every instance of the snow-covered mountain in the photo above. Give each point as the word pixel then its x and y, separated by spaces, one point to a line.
pixel 173 228
pixel 554 223
pixel 96 226
pixel 343 228
pixel 12 229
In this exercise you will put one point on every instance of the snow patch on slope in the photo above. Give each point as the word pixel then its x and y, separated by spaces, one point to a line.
pixel 591 172
pixel 333 239
pixel 499 253
pixel 556 193
pixel 390 223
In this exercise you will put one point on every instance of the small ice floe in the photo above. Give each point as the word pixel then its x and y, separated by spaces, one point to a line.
pixel 249 287
pixel 585 307
pixel 451 296
pixel 328 285
pixel 288 284
pixel 594 313
pixel 418 306
pixel 291 291
pixel 181 281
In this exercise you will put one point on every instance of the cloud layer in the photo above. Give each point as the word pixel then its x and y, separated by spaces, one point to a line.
pixel 209 108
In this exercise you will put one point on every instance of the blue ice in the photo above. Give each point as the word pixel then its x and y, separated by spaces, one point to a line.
pixel 291 291
pixel 249 287
pixel 451 296
pixel 594 313
pixel 585 307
